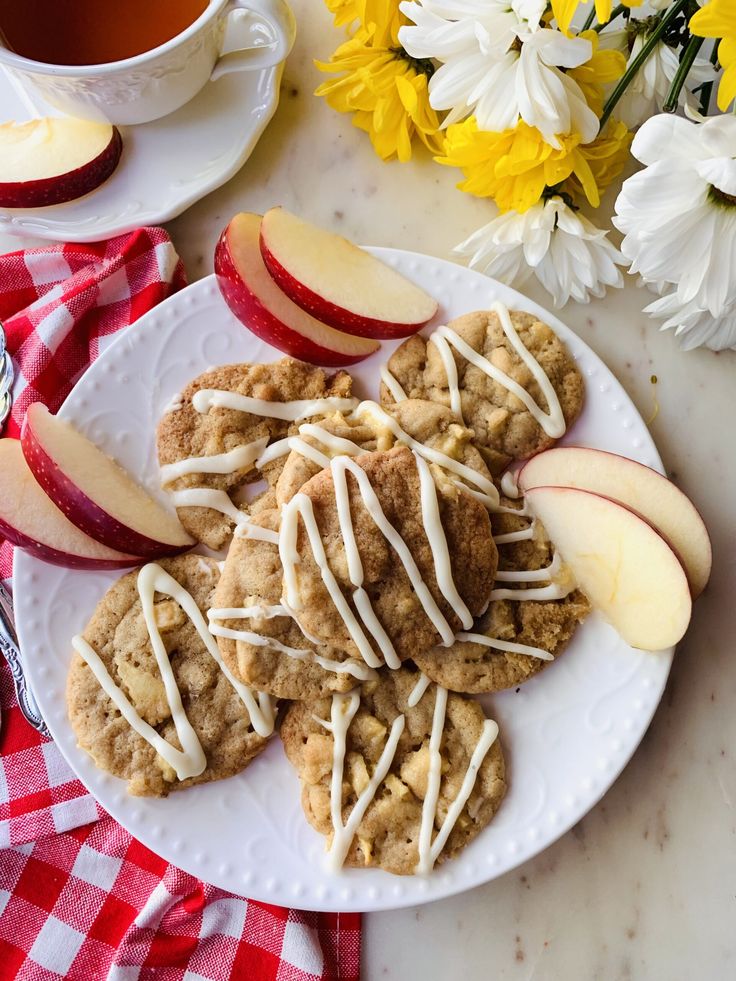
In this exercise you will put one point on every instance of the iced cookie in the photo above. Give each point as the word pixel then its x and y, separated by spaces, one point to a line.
pixel 533 619
pixel 382 558
pixel 506 373
pixel 372 428
pixel 422 772
pixel 226 431
pixel 259 640
pixel 147 695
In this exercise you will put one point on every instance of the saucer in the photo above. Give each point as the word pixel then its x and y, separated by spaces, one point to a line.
pixel 166 165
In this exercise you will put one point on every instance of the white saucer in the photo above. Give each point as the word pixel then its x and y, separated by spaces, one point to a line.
pixel 166 165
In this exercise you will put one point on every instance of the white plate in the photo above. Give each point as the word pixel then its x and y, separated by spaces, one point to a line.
pixel 166 165
pixel 567 733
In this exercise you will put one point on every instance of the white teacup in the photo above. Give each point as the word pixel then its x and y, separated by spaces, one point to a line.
pixel 155 83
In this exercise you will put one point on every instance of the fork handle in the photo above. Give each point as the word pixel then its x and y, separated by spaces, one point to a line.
pixel 9 648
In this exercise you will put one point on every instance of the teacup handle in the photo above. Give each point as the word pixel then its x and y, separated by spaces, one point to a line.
pixel 275 30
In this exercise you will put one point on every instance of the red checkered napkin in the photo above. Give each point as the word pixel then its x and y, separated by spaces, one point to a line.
pixel 85 901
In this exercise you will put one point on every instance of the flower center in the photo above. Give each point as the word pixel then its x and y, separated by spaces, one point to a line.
pixel 720 198
pixel 422 66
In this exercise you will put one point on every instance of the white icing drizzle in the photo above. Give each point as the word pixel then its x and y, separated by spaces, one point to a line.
pixel 438 543
pixel 509 487
pixel 357 669
pixel 392 384
pixel 552 421
pixel 532 575
pixel 174 404
pixel 217 500
pixel 209 398
pixel 336 444
pixel 542 594
pixel 505 645
pixel 300 504
pixel 524 534
pixel 488 737
pixel 222 463
pixel 448 363
pixel 342 713
pixel 186 763
pixel 189 761
pixel 310 452
pixel 418 690
pixel 461 470
pixel 340 466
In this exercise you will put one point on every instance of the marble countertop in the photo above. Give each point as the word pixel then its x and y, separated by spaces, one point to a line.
pixel 644 886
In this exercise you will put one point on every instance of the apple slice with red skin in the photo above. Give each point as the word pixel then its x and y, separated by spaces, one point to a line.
pixel 53 160
pixel 257 301
pixel 94 491
pixel 621 563
pixel 30 519
pixel 341 284
pixel 640 488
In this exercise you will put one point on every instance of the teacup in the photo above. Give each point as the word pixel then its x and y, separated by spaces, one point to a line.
pixel 157 82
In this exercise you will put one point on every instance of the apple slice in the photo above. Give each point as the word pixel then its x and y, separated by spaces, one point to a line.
pixel 340 283
pixel 624 567
pixel 30 519
pixel 640 488
pixel 257 301
pixel 49 161
pixel 95 493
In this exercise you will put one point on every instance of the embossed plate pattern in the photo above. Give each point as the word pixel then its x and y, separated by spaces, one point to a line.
pixel 567 733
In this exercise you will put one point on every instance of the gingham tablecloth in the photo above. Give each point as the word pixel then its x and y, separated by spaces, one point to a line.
pixel 80 898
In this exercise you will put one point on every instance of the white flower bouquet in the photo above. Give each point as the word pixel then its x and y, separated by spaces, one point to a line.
pixel 542 116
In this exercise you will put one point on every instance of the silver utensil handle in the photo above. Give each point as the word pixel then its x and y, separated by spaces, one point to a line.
pixel 11 652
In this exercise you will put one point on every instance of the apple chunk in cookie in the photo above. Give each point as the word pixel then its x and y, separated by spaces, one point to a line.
pixel 381 560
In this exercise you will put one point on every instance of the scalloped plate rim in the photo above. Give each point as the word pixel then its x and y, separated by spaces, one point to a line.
pixel 353 890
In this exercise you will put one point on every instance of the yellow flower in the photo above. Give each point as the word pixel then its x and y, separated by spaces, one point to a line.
pixel 345 11
pixel 601 68
pixel 514 167
pixel 718 19
pixel 563 11
pixel 606 156
pixel 384 89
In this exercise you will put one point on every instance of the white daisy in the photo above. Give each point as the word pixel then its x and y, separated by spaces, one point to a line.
pixel 649 88
pixel 678 215
pixel 500 66
pixel 693 326
pixel 569 256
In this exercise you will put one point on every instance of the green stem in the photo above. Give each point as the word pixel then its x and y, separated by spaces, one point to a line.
pixel 648 47
pixel 589 19
pixel 616 12
pixel 686 63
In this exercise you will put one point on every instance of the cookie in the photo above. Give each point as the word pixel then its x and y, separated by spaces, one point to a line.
pixel 408 821
pixel 271 653
pixel 185 433
pixel 506 427
pixel 433 425
pixel 217 714
pixel 545 625
pixel 380 598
